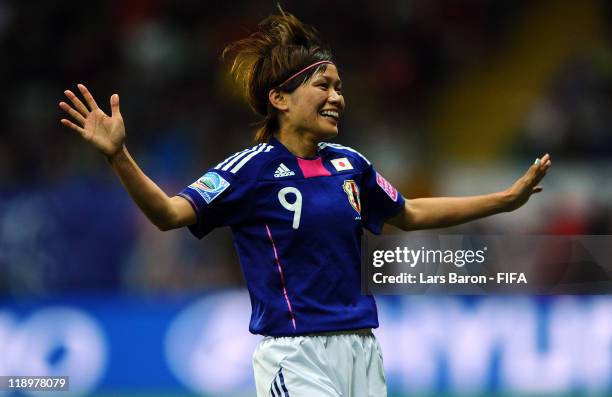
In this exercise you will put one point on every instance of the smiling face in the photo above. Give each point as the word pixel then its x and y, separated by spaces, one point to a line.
pixel 315 107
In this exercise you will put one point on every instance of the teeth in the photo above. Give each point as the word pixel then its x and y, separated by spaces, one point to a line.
pixel 330 113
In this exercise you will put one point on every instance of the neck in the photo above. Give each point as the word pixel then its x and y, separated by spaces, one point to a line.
pixel 301 145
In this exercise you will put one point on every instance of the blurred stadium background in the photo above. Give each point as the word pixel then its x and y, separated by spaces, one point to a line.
pixel 444 97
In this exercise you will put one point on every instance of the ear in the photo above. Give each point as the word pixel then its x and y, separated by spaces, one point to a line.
pixel 278 99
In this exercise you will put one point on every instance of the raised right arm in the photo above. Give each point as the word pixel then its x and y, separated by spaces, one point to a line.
pixel 107 134
pixel 164 212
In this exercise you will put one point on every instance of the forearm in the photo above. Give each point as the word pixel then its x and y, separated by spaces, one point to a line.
pixel 149 197
pixel 437 212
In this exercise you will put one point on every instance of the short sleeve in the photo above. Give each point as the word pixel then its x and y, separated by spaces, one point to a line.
pixel 219 198
pixel 380 200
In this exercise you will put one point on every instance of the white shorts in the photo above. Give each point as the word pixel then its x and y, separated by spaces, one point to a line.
pixel 347 365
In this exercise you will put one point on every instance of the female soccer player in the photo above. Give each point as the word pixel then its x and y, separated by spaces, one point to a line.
pixel 297 206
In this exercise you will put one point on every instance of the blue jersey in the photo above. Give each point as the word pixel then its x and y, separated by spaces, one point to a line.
pixel 297 225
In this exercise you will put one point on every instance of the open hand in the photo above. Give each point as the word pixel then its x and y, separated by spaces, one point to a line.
pixel 527 185
pixel 105 133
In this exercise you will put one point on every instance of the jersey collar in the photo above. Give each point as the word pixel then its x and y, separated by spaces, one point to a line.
pixel 276 143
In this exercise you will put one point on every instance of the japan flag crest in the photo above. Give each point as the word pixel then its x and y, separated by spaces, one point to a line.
pixel 342 164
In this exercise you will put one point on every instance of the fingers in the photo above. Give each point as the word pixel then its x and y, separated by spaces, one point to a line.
pixel 114 102
pixel 536 173
pixel 544 162
pixel 73 126
pixel 541 160
pixel 541 165
pixel 540 168
pixel 73 113
pixel 88 97
pixel 538 179
pixel 78 105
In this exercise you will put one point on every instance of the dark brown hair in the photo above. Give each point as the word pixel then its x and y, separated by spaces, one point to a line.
pixel 281 46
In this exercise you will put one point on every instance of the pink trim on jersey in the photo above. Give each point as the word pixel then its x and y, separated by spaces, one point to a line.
pixel 312 168
pixel 386 186
pixel 280 271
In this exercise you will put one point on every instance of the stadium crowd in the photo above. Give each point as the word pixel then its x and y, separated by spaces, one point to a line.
pixel 67 225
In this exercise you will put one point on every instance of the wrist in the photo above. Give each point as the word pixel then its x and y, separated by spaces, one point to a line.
pixel 504 200
pixel 118 155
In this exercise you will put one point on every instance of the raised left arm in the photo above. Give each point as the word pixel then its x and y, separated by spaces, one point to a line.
pixel 437 212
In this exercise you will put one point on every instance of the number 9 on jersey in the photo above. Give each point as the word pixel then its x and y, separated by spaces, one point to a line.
pixel 295 207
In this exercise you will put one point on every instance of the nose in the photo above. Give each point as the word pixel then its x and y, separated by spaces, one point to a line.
pixel 334 97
